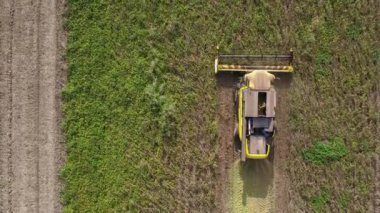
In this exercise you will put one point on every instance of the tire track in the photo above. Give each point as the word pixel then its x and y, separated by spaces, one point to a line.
pixel 282 143
pixel 24 195
pixel 31 80
pixel 47 57
pixel 226 117
pixel 6 33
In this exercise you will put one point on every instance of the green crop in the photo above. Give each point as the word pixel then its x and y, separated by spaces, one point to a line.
pixel 326 151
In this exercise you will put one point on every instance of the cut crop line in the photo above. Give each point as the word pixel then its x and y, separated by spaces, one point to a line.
pixel 10 112
pixel 38 132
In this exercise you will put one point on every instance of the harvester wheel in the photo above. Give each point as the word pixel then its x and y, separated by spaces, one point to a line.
pixel 236 101
pixel 270 142
pixel 236 140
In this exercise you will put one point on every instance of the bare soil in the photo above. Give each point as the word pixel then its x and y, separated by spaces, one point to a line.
pixel 226 86
pixel 32 74
pixel 282 143
pixel 260 186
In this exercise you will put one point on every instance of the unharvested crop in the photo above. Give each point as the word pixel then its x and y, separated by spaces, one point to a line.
pixel 318 202
pixel 326 151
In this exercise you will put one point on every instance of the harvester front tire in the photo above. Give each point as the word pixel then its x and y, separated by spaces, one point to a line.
pixel 236 140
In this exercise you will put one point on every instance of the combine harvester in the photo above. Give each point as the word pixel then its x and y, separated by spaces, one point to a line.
pixel 255 99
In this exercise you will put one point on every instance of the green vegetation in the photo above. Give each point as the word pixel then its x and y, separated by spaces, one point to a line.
pixel 320 201
pixel 343 201
pixel 141 104
pixel 326 151
pixel 133 136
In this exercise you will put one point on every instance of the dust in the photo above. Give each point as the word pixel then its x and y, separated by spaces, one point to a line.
pixel 252 186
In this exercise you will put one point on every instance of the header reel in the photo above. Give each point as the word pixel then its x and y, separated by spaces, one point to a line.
pixel 250 63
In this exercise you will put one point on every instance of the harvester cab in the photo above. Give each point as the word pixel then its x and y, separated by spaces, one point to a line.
pixel 255 99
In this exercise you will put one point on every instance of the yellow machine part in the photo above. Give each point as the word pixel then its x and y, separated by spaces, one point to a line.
pixel 240 114
pixel 256 156
pixel 242 68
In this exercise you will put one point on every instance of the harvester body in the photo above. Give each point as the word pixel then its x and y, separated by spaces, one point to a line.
pixel 256 114
pixel 255 99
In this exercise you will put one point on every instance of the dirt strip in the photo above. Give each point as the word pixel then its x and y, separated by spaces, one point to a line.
pixel 226 85
pixel 31 80
pixel 282 142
